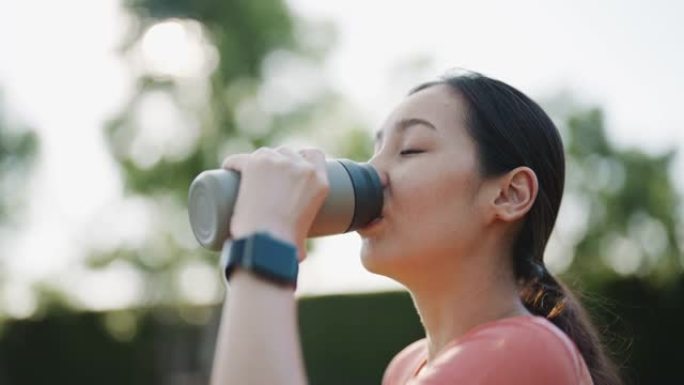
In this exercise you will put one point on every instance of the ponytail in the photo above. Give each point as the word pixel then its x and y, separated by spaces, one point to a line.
pixel 546 296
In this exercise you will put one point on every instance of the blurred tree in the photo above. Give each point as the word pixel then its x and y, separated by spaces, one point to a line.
pixel 620 215
pixel 18 147
pixel 213 78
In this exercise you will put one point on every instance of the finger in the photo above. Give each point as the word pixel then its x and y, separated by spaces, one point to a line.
pixel 266 152
pixel 238 161
pixel 235 162
pixel 313 154
pixel 317 157
pixel 289 153
pixel 305 157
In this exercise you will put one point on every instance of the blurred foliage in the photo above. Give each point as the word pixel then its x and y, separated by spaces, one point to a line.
pixel 623 205
pixel 259 84
pixel 243 34
pixel 18 148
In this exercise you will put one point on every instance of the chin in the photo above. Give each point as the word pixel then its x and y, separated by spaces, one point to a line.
pixel 371 258
pixel 383 262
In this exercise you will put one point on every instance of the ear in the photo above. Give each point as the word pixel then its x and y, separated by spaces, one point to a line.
pixel 517 192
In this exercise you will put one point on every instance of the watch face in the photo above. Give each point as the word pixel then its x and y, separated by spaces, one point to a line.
pixel 266 256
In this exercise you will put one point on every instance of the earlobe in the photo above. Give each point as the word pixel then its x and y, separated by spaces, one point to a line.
pixel 517 193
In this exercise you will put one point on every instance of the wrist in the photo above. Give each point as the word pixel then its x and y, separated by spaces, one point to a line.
pixel 241 276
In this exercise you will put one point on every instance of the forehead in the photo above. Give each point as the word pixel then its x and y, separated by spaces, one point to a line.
pixel 440 105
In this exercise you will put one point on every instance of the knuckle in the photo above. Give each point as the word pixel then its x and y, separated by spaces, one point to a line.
pixel 274 162
pixel 307 170
pixel 264 154
pixel 312 153
pixel 261 151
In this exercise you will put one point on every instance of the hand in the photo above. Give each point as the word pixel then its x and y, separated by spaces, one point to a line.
pixel 280 192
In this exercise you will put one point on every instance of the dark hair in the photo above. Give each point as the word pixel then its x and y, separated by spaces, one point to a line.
pixel 511 130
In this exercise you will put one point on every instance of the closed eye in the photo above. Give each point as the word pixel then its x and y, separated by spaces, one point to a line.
pixel 410 152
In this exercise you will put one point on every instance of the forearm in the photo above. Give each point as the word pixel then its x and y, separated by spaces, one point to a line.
pixel 258 340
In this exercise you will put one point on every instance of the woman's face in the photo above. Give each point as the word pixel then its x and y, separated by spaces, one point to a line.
pixel 432 212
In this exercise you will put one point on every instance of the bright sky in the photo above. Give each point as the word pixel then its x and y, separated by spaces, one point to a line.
pixel 59 73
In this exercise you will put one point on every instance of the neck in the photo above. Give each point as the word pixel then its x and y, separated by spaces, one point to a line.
pixel 453 301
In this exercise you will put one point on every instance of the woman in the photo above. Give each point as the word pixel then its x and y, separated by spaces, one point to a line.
pixel 473 175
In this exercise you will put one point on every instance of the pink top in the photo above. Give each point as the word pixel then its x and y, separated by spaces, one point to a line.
pixel 522 350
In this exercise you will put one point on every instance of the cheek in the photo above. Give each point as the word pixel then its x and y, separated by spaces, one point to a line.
pixel 437 201
pixel 441 219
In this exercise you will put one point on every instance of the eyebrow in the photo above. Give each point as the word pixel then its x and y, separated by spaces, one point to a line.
pixel 405 124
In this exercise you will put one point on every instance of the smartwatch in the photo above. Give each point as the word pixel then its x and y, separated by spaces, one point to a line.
pixel 265 256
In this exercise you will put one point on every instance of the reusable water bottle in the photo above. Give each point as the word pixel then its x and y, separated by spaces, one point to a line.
pixel 355 199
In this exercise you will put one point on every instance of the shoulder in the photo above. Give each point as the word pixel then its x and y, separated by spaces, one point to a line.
pixel 404 365
pixel 518 350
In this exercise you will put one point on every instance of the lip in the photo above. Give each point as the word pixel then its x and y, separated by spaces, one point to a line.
pixel 372 225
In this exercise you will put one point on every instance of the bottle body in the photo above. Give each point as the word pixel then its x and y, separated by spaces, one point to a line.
pixel 355 198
